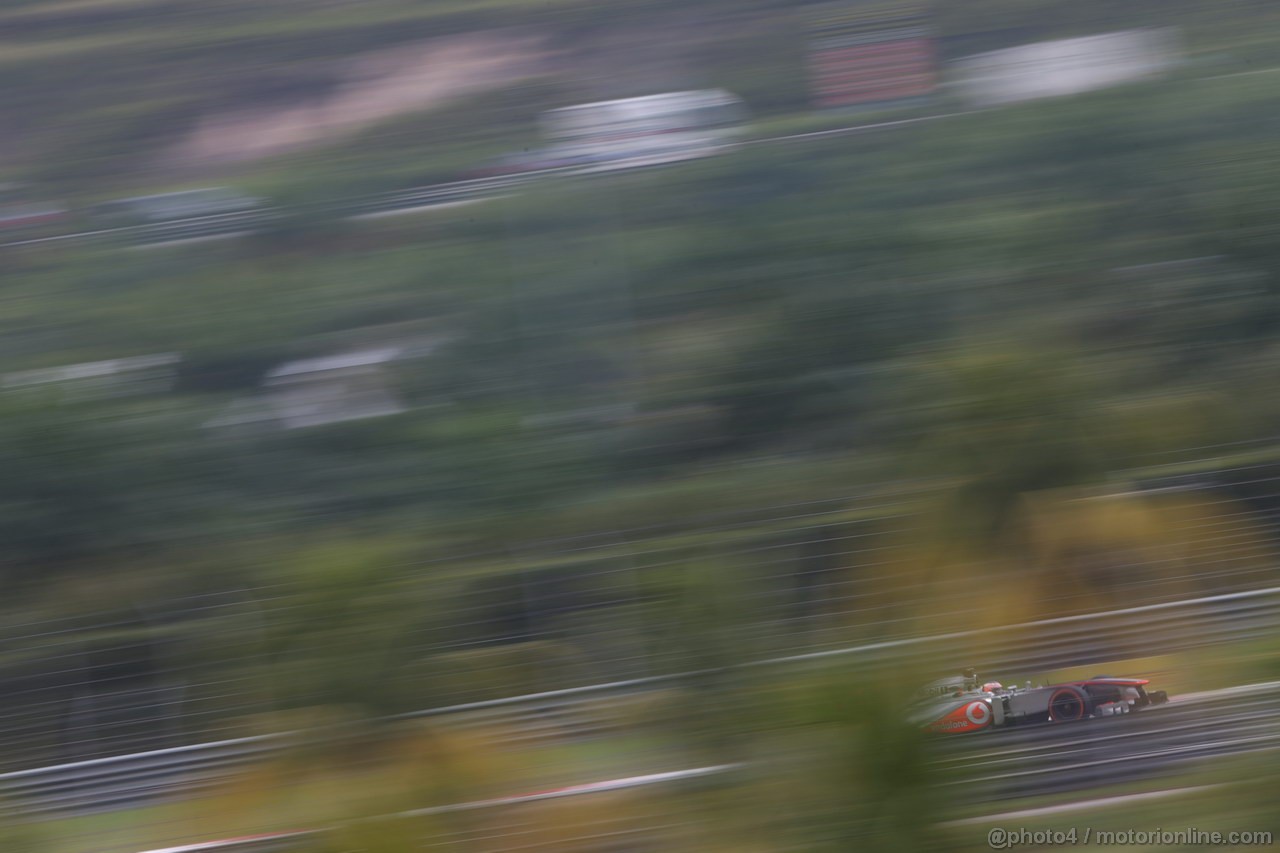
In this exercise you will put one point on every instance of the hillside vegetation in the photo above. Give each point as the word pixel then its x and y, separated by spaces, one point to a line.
pixel 815 392
pixel 797 302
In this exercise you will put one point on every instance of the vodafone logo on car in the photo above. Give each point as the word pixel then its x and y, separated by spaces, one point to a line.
pixel 967 718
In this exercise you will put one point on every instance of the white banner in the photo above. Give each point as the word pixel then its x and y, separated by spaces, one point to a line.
pixel 1065 67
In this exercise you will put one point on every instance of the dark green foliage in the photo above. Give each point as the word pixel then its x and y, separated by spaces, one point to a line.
pixel 82 481
pixel 789 299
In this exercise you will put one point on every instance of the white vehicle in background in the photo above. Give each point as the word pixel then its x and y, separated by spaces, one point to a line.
pixel 168 207
pixel 646 130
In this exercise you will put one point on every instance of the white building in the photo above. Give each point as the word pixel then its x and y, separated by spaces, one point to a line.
pixel 332 389
pixel 1065 67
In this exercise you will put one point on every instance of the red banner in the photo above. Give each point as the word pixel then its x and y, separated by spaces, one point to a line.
pixel 863 55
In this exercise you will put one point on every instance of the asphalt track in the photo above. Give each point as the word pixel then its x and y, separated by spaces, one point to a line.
pixel 1010 764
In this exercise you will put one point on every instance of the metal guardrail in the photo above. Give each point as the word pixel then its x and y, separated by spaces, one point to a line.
pixel 1080 639
pixel 216 225
pixel 130 779
pixel 109 783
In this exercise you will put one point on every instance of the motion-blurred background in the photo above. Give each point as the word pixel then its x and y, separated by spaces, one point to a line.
pixel 414 409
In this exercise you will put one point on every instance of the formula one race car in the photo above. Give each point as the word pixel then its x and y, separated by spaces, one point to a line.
pixel 965 704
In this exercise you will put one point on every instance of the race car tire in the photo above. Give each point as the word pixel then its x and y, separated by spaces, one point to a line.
pixel 1068 704
pixel 1158 697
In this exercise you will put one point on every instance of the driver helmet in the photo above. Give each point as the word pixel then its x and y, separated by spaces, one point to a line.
pixel 992 687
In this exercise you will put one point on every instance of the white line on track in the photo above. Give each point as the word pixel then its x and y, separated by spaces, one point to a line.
pixel 438 205
pixel 1080 805
pixel 184 241
pixel 229 843
pixel 555 793
pixel 856 128
pixel 1244 689
pixel 1242 73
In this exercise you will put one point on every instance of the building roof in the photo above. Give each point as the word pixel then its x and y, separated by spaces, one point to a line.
pixel 343 361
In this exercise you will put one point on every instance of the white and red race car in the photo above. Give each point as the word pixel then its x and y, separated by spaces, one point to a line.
pixel 965 704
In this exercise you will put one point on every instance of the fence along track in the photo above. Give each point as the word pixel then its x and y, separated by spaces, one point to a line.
pixel 139 778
